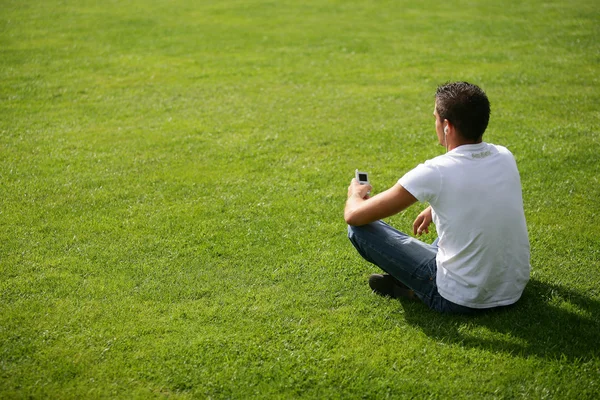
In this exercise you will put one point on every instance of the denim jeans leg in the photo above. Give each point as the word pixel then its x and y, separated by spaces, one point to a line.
pixel 407 259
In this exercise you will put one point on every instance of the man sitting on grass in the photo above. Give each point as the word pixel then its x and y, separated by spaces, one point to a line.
pixel 480 259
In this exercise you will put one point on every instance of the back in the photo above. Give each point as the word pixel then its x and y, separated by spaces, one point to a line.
pixel 475 193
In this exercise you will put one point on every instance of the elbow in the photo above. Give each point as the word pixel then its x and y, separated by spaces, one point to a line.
pixel 348 219
pixel 352 219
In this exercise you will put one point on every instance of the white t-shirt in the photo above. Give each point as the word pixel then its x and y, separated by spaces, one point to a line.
pixel 475 194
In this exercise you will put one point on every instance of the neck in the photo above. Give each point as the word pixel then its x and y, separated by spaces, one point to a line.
pixel 453 145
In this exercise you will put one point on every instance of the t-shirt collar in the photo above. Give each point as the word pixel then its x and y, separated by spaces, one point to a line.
pixel 469 148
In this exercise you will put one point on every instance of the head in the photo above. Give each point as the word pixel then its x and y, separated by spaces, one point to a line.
pixel 465 107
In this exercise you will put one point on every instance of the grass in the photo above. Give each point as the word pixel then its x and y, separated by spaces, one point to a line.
pixel 173 176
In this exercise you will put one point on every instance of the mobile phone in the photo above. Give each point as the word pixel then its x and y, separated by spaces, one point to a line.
pixel 362 177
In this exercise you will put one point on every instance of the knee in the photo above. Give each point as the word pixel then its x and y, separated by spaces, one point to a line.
pixel 358 233
pixel 353 231
pixel 350 231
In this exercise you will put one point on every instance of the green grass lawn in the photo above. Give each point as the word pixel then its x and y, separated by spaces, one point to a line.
pixel 173 176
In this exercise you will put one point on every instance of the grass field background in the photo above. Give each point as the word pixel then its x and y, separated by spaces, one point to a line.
pixel 173 175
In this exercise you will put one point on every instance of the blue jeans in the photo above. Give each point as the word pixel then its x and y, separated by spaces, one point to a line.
pixel 407 259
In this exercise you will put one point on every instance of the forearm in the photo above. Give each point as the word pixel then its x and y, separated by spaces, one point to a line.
pixel 359 211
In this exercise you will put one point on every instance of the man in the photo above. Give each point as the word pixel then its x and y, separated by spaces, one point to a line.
pixel 480 259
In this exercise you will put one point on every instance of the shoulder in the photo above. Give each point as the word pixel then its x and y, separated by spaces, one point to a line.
pixel 499 149
pixel 423 181
pixel 436 162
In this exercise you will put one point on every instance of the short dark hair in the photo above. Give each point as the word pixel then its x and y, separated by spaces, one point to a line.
pixel 466 106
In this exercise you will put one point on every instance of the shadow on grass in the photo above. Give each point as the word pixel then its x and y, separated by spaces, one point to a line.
pixel 549 321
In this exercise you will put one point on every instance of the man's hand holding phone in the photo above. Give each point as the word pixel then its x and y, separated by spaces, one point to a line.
pixel 360 186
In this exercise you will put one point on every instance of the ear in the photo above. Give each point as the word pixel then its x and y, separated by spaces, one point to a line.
pixel 448 127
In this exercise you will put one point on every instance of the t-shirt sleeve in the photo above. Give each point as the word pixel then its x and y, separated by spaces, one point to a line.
pixel 424 182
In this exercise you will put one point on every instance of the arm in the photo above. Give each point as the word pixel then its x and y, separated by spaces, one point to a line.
pixel 361 211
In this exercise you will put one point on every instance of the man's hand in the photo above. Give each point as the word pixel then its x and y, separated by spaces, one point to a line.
pixel 422 222
pixel 358 190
